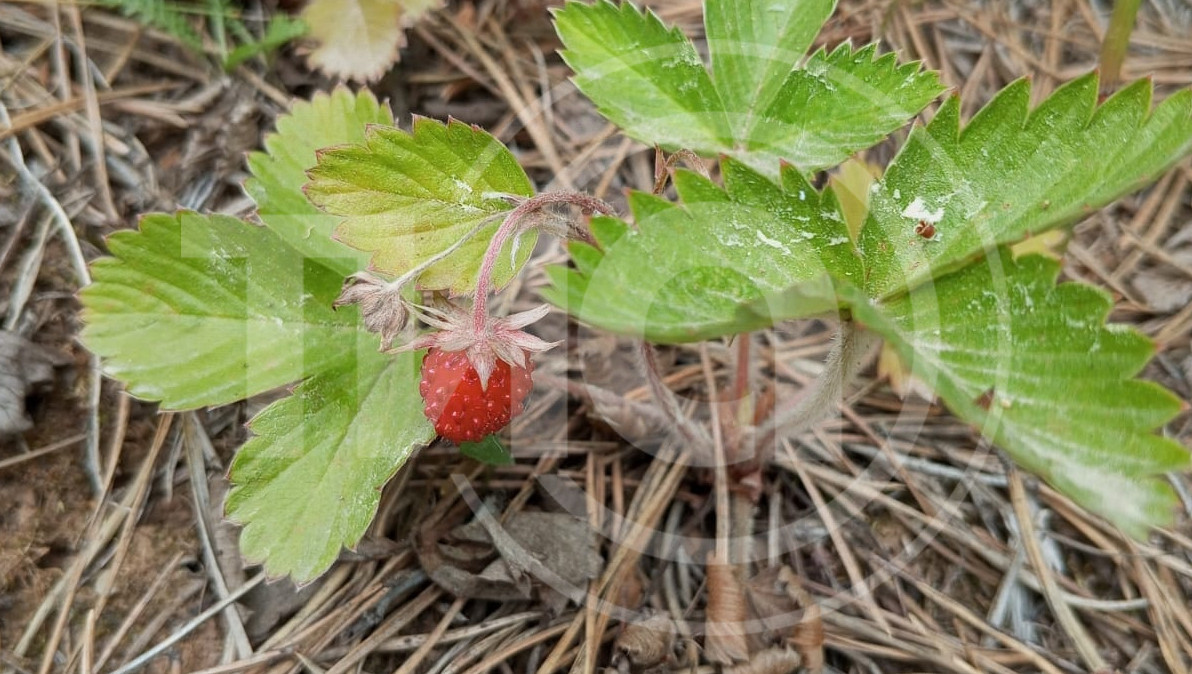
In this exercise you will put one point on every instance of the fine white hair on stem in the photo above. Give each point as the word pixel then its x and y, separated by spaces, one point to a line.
pixel 848 355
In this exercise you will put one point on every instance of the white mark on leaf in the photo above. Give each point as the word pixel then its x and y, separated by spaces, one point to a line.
pixel 918 210
pixel 773 243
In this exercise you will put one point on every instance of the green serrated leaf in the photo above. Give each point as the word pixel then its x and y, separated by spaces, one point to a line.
pixel 838 103
pixel 489 450
pixel 308 483
pixel 650 81
pixel 408 197
pixel 279 173
pixel 753 46
pixel 719 264
pixel 643 76
pixel 1035 368
pixel 197 310
pixel 1009 175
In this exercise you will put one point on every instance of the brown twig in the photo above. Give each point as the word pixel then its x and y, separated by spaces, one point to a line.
pixel 1051 591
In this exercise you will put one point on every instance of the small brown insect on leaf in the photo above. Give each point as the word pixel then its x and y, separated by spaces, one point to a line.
pixel 925 229
pixel 985 400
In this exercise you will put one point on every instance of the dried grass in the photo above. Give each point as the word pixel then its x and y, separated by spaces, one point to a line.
pixel 919 549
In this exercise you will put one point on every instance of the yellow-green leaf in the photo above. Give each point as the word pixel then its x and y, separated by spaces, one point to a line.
pixel 407 197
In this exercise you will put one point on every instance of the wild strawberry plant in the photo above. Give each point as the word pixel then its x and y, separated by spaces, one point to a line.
pixel 423 225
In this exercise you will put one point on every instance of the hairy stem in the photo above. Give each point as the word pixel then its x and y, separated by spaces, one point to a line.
pixel 663 165
pixel 743 499
pixel 846 359
pixel 511 226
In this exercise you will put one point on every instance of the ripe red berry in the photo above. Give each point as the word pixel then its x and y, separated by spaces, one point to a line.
pixel 460 409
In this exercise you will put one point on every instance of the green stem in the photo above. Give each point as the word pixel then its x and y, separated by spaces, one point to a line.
pixel 1117 40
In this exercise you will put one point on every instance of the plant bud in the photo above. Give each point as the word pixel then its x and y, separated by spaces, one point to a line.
pixel 382 307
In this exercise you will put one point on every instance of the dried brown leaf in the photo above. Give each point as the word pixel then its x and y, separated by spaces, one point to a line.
pixel 725 641
pixel 647 642
pixel 808 639
pixel 548 555
pixel 360 39
pixel 771 661
pixel 788 613
pixel 1165 289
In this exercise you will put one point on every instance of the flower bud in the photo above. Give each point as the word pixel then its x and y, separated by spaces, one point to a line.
pixel 382 307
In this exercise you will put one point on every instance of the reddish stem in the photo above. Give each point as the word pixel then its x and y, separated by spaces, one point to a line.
pixel 510 227
pixel 741 382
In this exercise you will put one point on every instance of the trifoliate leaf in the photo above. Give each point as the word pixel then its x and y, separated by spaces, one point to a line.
pixel 408 197
pixel 1010 174
pixel 308 483
pixel 359 39
pixel 197 310
pixel 717 265
pixel 1034 367
pixel 757 106
pixel 279 173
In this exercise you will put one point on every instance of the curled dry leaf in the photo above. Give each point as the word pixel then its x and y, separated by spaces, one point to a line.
pixel 808 639
pixel 725 641
pixel 24 366
pixel 647 642
pixel 770 661
pixel 360 39
pixel 551 556
pixel 788 614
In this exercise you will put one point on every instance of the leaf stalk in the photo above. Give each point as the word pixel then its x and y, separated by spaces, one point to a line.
pixel 512 226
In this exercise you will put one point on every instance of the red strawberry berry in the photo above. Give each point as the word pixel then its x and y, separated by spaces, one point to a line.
pixel 459 407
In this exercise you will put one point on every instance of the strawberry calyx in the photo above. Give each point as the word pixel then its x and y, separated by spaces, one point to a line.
pixel 487 343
